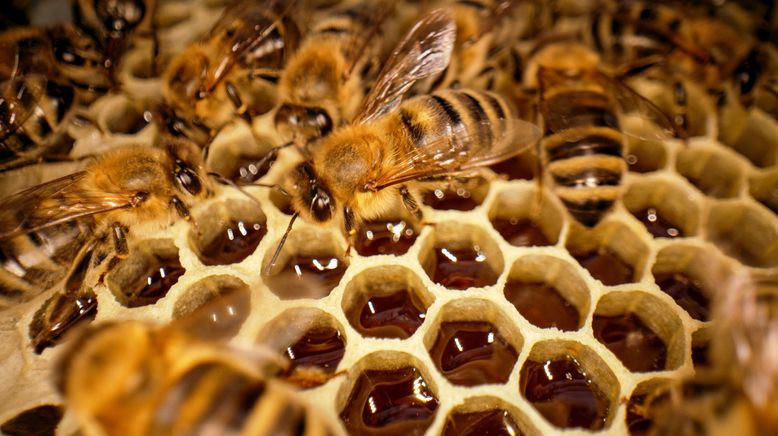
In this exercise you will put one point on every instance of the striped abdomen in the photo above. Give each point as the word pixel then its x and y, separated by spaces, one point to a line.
pixel 460 123
pixel 583 151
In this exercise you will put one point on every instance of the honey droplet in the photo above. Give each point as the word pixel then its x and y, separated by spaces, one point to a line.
pixel 543 305
pixel 470 353
pixel 687 293
pixel 496 422
pixel 250 168
pixel 657 225
pixel 605 266
pixel 563 393
pixel 384 237
pixel 322 347
pixel 638 348
pixel 451 198
pixel 58 314
pixel 306 277
pixel 396 315
pixel 237 241
pixel 41 420
pixel 390 402
pixel 516 168
pixel 521 232
pixel 460 268
pixel 153 283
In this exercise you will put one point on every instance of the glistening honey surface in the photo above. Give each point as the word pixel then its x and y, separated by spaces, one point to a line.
pixel 563 393
pixel 687 293
pixel 237 241
pixel 460 268
pixel 384 237
pixel 306 277
pixel 60 313
pixel 605 266
pixel 521 232
pixel 470 353
pixel 322 347
pixel 390 402
pixel 496 422
pixel 152 283
pixel 396 315
pixel 542 305
pixel 637 346
pixel 657 225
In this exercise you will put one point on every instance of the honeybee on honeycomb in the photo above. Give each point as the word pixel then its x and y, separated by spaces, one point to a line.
pixel 54 236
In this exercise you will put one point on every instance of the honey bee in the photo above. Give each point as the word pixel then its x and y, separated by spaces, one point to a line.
pixel 237 63
pixel 583 110
pixel 358 170
pixel 170 380
pixel 79 61
pixel 323 84
pixel 54 234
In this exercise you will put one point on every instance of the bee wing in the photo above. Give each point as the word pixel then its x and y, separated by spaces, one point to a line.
pixel 657 125
pixel 53 203
pixel 449 155
pixel 18 100
pixel 259 18
pixel 425 50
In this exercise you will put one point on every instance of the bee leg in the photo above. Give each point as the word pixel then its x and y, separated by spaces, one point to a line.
pixel 411 204
pixel 348 224
pixel 119 240
pixel 232 93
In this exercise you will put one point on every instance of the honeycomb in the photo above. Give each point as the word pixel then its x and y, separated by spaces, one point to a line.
pixel 500 313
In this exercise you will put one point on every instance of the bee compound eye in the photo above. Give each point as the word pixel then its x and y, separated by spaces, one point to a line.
pixel 188 179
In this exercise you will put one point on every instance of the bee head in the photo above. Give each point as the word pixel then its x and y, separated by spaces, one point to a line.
pixel 310 195
pixel 308 122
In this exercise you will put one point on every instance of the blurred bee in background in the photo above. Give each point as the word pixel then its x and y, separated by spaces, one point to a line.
pixel 113 24
pixel 360 170
pixel 737 389
pixel 79 60
pixel 53 235
pixel 324 82
pixel 192 383
pixel 583 112
pixel 233 71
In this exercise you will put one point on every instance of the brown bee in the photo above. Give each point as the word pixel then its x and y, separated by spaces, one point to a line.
pixel 358 170
pixel 172 380
pixel 233 70
pixel 54 234
pixel 583 110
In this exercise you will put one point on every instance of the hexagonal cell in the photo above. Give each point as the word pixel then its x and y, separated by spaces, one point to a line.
pixel 548 292
pixel 645 398
pixel 691 276
pixel 473 343
pixel 461 256
pixel 227 232
pixel 386 302
pixel 147 274
pixel 486 416
pixel 120 116
pixel 308 337
pixel 310 265
pixel 764 189
pixel 60 314
pixel 644 155
pixel 521 167
pixel 641 330
pixel 667 209
pixel 744 232
pixel 665 91
pixel 757 139
pixel 524 218
pixel 701 348
pixel 612 252
pixel 570 385
pixel 214 307
pixel 40 420
pixel 240 156
pixel 457 194
pixel 282 202
pixel 387 393
pixel 392 233
pixel 714 172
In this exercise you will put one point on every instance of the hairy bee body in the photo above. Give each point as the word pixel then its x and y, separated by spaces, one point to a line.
pixel 47 230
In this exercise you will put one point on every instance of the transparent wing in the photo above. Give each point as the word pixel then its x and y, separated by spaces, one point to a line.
pixel 53 203
pixel 424 51
pixel 18 99
pixel 243 25
pixel 458 153
pixel 599 101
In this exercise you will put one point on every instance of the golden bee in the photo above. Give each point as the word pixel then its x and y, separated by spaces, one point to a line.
pixel 583 110
pixel 171 380
pixel 360 169
pixel 323 83
pixel 233 70
pixel 54 235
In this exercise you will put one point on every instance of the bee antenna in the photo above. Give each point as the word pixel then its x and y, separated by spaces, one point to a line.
pixel 269 267
pixel 225 181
